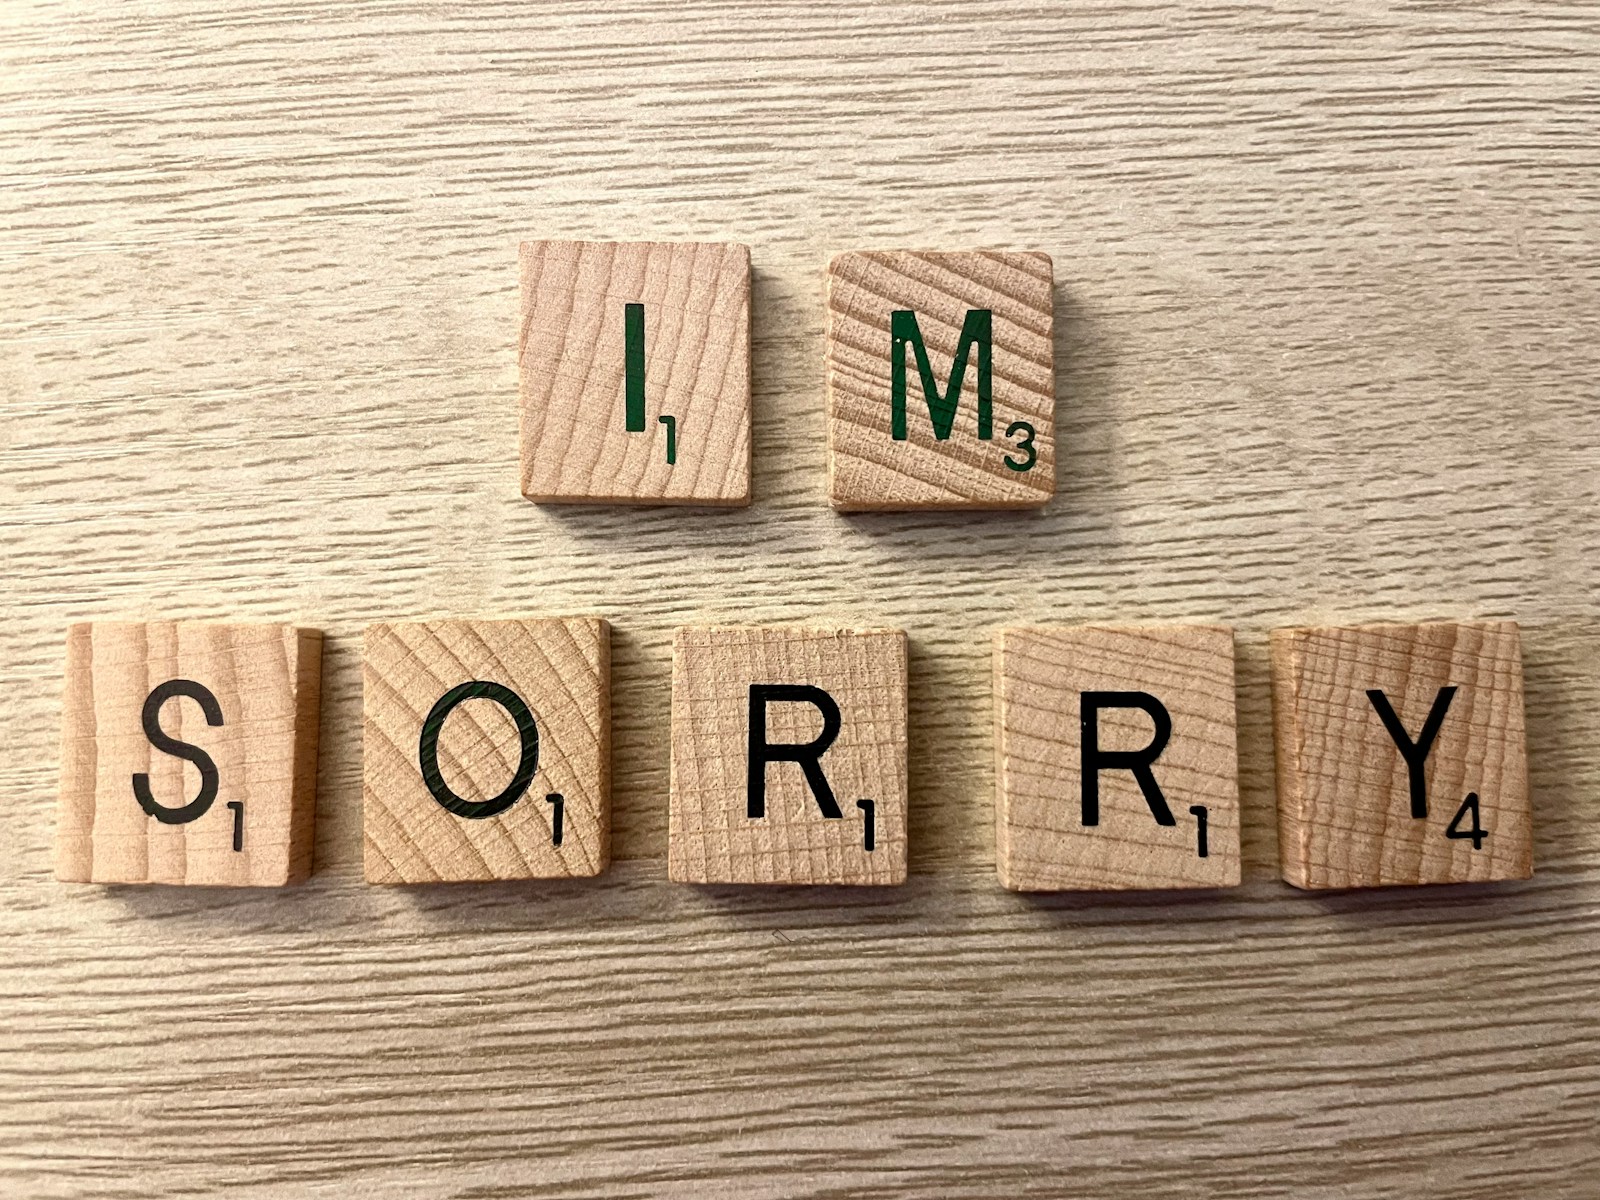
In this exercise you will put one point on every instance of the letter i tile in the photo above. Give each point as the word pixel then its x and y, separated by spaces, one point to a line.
pixel 635 372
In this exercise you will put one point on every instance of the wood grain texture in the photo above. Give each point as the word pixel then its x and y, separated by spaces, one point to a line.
pixel 571 349
pixel 559 670
pixel 1346 813
pixel 713 834
pixel 869 468
pixel 1327 331
pixel 262 747
pixel 1043 841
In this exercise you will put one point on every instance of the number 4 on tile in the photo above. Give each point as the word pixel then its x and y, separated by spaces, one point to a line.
pixel 1477 833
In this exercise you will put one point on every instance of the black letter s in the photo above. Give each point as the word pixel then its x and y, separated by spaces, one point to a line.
pixel 151 720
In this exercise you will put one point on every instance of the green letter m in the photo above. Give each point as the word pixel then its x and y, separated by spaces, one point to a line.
pixel 941 409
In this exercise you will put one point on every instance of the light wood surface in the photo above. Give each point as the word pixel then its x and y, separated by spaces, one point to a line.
pixel 526 715
pixel 188 753
pixel 996 415
pixel 1357 810
pixel 1138 832
pixel 1327 336
pixel 831 714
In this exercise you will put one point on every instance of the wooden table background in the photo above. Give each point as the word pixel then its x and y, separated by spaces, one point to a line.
pixel 1328 349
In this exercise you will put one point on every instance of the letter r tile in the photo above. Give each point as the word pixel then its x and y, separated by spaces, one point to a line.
pixel 1117 762
pixel 635 372
pixel 788 756
pixel 1401 754
pixel 941 380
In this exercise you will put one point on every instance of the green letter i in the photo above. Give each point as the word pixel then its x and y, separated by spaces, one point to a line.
pixel 633 366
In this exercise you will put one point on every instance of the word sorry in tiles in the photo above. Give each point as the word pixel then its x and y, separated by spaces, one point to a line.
pixel 635 376
pixel 189 754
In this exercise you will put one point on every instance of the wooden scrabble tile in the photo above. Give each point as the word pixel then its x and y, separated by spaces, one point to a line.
pixel 788 756
pixel 635 361
pixel 188 753
pixel 487 750
pixel 941 380
pixel 1117 759
pixel 1401 755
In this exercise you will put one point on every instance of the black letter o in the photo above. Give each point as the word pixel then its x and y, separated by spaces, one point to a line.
pixel 428 749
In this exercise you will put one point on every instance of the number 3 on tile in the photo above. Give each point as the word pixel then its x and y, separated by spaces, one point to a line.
pixel 1025 446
